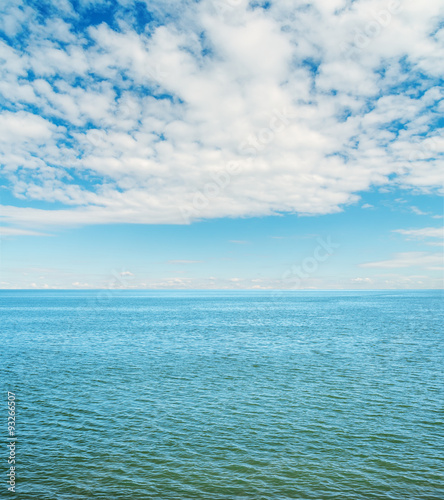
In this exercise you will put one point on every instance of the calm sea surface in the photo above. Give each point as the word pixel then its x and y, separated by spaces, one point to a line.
pixel 224 395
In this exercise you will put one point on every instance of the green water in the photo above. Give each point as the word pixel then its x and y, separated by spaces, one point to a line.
pixel 219 395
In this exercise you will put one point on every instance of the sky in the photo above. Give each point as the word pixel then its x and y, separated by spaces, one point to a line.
pixel 221 144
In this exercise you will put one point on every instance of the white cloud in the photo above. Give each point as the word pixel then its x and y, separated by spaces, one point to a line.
pixel 426 232
pixel 184 262
pixel 387 279
pixel 22 127
pixel 13 231
pixel 418 211
pixel 78 284
pixel 316 104
pixel 126 273
pixel 410 259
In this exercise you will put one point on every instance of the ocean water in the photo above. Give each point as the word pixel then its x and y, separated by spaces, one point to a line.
pixel 224 395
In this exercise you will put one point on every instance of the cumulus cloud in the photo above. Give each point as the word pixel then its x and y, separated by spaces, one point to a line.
pixel 217 109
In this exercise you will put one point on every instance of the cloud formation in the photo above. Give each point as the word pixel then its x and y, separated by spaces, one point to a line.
pixel 14 231
pixel 431 261
pixel 426 232
pixel 178 262
pixel 180 112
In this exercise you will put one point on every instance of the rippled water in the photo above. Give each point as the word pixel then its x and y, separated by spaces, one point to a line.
pixel 225 395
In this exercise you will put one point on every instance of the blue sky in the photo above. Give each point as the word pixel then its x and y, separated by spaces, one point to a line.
pixel 221 144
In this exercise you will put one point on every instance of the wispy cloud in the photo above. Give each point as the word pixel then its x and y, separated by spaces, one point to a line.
pixel 433 261
pixel 418 211
pixel 426 232
pixel 78 284
pixel 175 262
pixel 13 231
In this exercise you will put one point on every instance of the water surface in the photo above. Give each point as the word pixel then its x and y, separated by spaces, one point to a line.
pixel 225 395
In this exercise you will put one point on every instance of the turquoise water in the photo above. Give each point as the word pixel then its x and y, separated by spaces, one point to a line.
pixel 224 395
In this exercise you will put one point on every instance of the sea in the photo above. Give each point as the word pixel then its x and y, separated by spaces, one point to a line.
pixel 222 395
